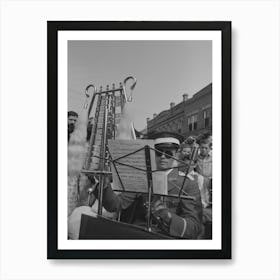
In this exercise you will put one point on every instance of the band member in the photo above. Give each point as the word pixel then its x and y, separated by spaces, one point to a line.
pixel 177 216
pixel 72 119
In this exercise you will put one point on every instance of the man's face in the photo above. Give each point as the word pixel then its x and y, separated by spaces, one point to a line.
pixel 71 123
pixel 164 157
pixel 204 149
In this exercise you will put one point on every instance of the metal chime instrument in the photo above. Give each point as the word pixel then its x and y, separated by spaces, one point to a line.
pixel 106 108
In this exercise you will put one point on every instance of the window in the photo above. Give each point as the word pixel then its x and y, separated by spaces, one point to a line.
pixel 189 124
pixel 206 117
pixel 179 125
pixel 192 123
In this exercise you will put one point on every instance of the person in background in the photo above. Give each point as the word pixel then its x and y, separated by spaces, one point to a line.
pixel 185 150
pixel 72 119
pixel 204 169
pixel 204 160
pixel 174 216
pixel 89 128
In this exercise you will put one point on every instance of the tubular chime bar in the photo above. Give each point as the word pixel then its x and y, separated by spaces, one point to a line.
pixel 107 115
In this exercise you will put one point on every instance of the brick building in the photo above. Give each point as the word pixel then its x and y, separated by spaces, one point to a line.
pixel 192 116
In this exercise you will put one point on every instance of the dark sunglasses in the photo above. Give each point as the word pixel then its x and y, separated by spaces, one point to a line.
pixel 167 153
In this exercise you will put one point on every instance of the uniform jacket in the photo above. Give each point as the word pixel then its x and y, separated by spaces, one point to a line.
pixel 186 221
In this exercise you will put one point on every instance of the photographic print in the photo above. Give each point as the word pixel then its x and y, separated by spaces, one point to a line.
pixel 145 171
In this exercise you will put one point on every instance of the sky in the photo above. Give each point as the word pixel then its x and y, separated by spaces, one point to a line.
pixel 164 71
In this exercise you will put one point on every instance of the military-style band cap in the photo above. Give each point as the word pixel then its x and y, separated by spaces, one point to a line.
pixel 169 140
pixel 166 139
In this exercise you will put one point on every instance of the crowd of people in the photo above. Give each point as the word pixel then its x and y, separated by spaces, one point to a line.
pixel 202 168
pixel 187 210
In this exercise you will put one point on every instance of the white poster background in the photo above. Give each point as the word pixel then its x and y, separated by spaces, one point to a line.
pixel 255 101
pixel 63 38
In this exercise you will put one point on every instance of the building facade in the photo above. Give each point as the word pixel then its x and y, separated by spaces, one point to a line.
pixel 192 116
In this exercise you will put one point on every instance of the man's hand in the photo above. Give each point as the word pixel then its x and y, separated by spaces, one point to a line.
pixel 161 214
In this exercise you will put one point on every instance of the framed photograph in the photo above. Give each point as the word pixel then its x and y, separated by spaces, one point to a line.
pixel 143 169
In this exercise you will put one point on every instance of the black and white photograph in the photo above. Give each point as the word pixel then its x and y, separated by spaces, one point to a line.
pixel 141 167
pixel 118 124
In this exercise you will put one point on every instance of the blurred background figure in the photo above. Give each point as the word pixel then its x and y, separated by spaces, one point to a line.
pixel 204 169
pixel 89 128
pixel 186 148
pixel 72 119
pixel 185 152
pixel 204 160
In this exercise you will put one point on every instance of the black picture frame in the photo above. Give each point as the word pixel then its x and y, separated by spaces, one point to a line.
pixel 52 102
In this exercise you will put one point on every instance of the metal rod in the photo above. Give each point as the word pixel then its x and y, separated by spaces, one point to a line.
pixel 78 184
pixel 117 172
pixel 96 172
pixel 93 96
pixel 114 115
pixel 189 197
pixel 109 91
pixel 102 162
pixel 100 193
pixel 88 95
pixel 150 184
pixel 129 98
pixel 93 135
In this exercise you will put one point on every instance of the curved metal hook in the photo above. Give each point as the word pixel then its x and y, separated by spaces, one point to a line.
pixel 88 95
pixel 129 98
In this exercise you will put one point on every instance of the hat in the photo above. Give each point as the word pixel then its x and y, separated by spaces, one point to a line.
pixel 72 113
pixel 166 139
